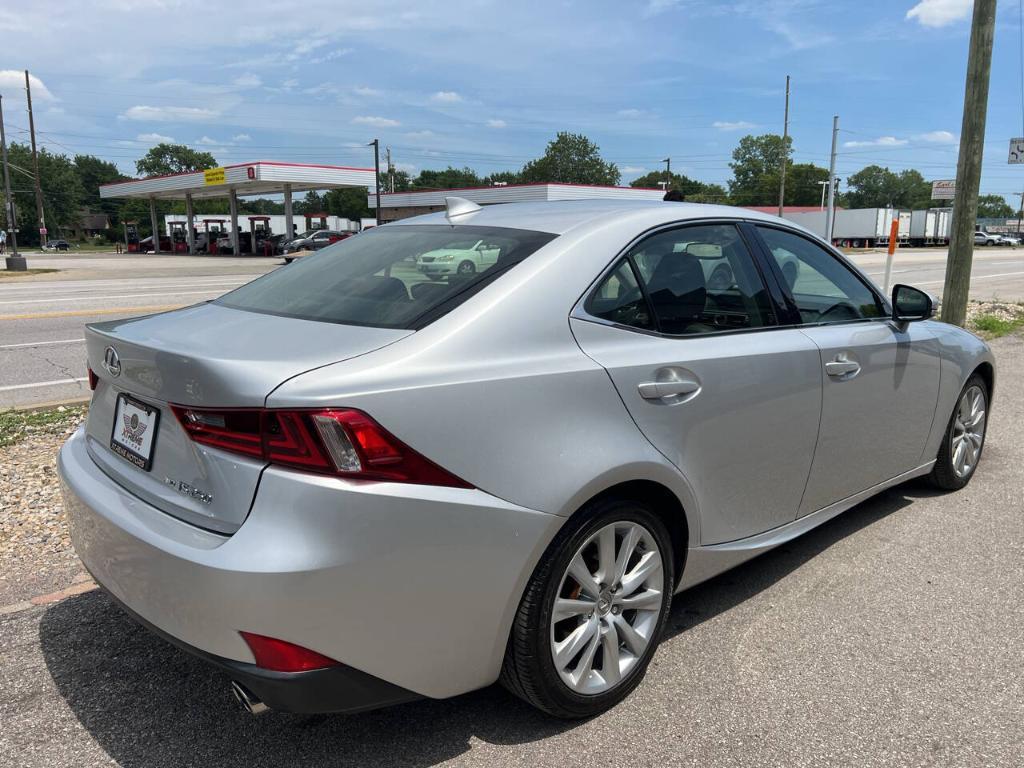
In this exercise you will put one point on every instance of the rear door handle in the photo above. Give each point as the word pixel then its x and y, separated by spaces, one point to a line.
pixel 842 367
pixel 656 390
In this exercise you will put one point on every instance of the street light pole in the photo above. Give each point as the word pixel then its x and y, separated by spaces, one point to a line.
pixel 830 216
pixel 376 176
pixel 35 164
pixel 785 154
pixel 15 263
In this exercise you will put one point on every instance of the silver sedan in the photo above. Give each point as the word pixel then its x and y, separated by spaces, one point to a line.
pixel 348 485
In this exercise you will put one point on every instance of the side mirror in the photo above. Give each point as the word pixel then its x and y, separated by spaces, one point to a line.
pixel 909 303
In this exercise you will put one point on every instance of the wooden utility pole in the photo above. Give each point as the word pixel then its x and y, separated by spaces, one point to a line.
pixel 830 214
pixel 15 263
pixel 35 164
pixel 785 154
pixel 376 175
pixel 968 168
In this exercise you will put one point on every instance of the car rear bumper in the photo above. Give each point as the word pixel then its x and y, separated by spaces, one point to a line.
pixel 411 588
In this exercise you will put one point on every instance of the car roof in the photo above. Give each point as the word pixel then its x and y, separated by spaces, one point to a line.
pixel 560 216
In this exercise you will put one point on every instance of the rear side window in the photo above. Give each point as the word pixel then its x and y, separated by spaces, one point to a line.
pixel 686 281
pixel 401 276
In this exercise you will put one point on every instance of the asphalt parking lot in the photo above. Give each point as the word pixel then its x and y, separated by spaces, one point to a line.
pixel 891 636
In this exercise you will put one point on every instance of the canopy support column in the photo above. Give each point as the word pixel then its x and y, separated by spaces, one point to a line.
pixel 233 201
pixel 189 228
pixel 289 227
pixel 153 223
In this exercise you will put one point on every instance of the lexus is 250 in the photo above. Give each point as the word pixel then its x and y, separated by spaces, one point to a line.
pixel 349 483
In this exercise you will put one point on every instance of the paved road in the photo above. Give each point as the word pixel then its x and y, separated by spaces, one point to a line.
pixel 891 636
pixel 41 318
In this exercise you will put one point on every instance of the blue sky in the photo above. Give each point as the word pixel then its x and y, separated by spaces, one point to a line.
pixel 487 83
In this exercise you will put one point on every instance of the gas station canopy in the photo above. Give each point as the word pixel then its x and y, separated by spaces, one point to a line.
pixel 261 177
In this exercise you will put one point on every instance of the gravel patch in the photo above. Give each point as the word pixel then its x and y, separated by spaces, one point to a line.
pixel 35 548
pixel 1004 310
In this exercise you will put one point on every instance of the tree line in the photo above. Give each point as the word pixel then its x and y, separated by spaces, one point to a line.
pixel 71 184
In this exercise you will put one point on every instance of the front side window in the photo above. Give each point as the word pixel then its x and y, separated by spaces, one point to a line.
pixel 697 279
pixel 383 277
pixel 823 288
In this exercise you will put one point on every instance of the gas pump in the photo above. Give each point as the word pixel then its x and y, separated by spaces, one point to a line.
pixel 131 236
pixel 259 232
pixel 214 229
pixel 179 236
pixel 316 221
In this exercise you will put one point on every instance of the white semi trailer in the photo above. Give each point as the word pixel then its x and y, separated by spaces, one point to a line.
pixel 853 227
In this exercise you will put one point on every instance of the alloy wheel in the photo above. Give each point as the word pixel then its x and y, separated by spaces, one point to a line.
pixel 968 431
pixel 607 607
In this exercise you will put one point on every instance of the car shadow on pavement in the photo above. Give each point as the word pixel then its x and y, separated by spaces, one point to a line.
pixel 146 703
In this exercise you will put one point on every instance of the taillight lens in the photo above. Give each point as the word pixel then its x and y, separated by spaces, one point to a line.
pixel 281 656
pixel 93 378
pixel 343 442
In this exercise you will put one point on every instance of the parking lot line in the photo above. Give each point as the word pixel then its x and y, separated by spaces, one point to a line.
pixel 40 384
pixel 41 343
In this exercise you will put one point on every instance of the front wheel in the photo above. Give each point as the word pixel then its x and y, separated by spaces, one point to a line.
pixel 593 612
pixel 466 268
pixel 964 440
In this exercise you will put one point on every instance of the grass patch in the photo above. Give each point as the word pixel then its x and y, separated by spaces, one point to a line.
pixel 993 326
pixel 15 426
pixel 26 273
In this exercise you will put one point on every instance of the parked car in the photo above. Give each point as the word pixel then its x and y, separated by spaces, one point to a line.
pixel 389 487
pixel 224 244
pixel 312 240
pixel 466 257
pixel 981 237
pixel 56 245
pixel 1009 238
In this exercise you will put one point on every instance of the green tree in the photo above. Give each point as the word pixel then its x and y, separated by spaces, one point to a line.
pixel 449 178
pixel 62 192
pixel 755 169
pixel 571 158
pixel 684 184
pixel 502 178
pixel 349 203
pixel 878 187
pixel 709 193
pixel 803 185
pixel 994 207
pixel 165 159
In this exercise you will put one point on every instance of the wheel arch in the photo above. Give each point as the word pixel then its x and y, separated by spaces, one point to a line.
pixel 987 372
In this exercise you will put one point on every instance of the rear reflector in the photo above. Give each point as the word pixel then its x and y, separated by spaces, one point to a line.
pixel 280 656
pixel 342 442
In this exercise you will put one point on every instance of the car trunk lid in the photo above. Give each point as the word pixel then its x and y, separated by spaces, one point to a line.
pixel 208 356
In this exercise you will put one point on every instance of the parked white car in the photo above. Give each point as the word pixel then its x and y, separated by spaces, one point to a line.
pixel 463 258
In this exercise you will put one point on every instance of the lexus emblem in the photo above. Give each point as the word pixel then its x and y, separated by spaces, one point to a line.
pixel 112 362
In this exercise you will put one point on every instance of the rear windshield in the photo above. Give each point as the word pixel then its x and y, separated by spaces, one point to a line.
pixel 402 276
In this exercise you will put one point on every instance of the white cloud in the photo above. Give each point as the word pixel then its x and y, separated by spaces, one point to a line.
pixel 494 123
pixel 241 137
pixel 207 141
pixel 154 138
pixel 248 80
pixel 940 13
pixel 290 83
pixel 446 97
pixel 738 125
pixel 169 114
pixel 936 137
pixel 375 122
pixel 656 7
pixel 632 169
pixel 362 90
pixel 881 141
pixel 420 135
pixel 331 56
pixel 14 80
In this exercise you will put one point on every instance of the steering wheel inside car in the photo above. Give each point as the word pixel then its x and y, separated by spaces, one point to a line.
pixel 838 312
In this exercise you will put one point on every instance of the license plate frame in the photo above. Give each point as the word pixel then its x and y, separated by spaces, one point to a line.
pixel 136 441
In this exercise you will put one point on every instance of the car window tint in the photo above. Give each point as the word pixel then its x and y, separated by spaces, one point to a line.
pixel 396 276
pixel 701 279
pixel 824 289
pixel 619 299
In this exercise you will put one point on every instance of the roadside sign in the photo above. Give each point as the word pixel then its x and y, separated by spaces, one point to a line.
pixel 1016 151
pixel 944 189
pixel 213 176
pixel 42 231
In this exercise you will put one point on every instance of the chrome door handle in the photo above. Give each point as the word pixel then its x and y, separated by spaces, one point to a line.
pixel 842 367
pixel 656 390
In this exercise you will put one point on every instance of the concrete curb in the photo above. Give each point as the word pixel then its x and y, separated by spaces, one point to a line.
pixel 80 584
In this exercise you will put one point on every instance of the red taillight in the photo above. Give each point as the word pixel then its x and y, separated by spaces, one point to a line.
pixel 342 442
pixel 93 378
pixel 280 656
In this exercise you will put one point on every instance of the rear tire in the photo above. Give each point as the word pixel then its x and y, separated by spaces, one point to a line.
pixel 627 555
pixel 964 440
pixel 466 268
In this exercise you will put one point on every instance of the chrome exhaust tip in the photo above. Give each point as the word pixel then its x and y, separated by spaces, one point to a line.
pixel 249 703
